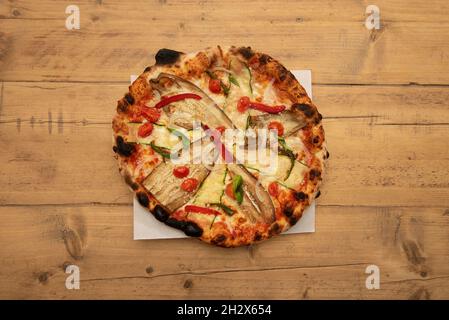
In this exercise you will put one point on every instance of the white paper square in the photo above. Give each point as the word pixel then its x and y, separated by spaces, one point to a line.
pixel 147 227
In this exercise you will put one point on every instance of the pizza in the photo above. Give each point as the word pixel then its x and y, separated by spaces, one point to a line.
pixel 195 101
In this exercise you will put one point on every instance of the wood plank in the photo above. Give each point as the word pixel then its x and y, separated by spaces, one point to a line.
pixel 119 38
pixel 410 246
pixel 56 138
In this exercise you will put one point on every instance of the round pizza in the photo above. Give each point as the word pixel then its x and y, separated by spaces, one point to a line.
pixel 223 144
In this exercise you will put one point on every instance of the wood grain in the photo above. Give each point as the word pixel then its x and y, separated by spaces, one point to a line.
pixel 384 97
pixel 57 136
pixel 117 39
pixel 98 240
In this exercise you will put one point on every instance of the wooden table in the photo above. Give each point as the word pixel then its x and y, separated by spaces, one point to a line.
pixel 385 201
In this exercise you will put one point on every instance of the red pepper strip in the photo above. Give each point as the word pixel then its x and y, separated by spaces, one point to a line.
pixel 266 108
pixel 177 97
pixel 192 208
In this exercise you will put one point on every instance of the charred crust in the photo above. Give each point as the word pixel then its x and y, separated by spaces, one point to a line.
pixel 304 108
pixel 142 198
pixel 129 98
pixel 264 59
pixel 257 236
pixel 124 148
pixel 160 213
pixel 246 52
pixel 316 140
pixel 314 173
pixel 288 211
pixel 219 239
pixel 147 69
pixel 114 148
pixel 300 196
pixel 171 222
pixel 167 56
pixel 129 181
pixel 274 229
pixel 318 194
pixel 318 118
pixel 193 230
pixel 293 220
pixel 122 106
pixel 282 73
pixel 327 154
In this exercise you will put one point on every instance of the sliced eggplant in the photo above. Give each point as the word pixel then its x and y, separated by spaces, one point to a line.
pixel 256 204
pixel 166 188
pixel 205 110
pixel 290 119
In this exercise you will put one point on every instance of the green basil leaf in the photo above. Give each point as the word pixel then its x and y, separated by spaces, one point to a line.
pixel 250 78
pixel 225 89
pixel 164 152
pixel 225 208
pixel 237 183
pixel 237 188
pixel 248 122
pixel 239 196
pixel 233 80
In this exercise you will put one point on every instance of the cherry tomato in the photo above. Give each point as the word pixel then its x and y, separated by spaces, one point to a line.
pixel 145 130
pixel 221 129
pixel 189 184
pixel 273 189
pixel 151 114
pixel 214 85
pixel 181 172
pixel 243 104
pixel 229 191
pixel 276 125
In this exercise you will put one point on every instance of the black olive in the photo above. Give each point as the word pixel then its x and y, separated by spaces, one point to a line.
pixel 143 199
pixel 175 223
pixel 160 213
pixel 305 108
pixel 129 98
pixel 193 230
pixel 300 196
pixel 167 56
pixel 124 148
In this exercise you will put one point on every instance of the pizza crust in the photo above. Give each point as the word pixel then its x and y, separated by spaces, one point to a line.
pixel 137 161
